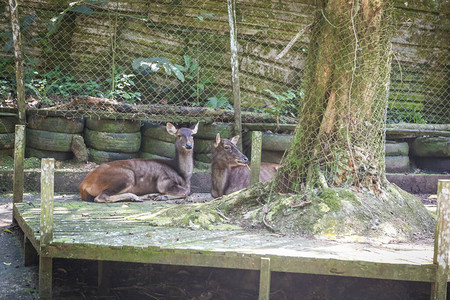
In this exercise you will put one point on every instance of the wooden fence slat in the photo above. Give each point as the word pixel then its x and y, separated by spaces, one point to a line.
pixel 264 279
pixel 256 157
pixel 441 242
pixel 46 227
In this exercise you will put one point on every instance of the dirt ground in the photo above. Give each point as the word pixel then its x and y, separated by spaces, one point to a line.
pixel 77 279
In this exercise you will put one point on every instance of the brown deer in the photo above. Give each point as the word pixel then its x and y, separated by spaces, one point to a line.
pixel 122 180
pixel 230 171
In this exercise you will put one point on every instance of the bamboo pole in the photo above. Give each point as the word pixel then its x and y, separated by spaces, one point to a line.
pixel 19 154
pixel 256 157
pixel 442 242
pixel 46 227
pixel 235 69
pixel 13 6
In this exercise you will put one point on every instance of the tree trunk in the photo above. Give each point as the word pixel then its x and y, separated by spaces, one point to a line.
pixel 339 140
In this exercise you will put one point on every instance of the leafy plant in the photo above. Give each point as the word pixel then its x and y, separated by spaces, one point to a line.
pixel 219 101
pixel 284 104
pixel 405 116
pixel 122 87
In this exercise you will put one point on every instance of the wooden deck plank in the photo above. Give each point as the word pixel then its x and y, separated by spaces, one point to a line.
pixel 115 232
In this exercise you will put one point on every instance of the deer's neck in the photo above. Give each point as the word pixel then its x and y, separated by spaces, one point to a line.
pixel 218 179
pixel 184 162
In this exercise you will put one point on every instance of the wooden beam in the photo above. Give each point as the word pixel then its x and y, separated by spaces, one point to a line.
pixel 441 242
pixel 231 4
pixel 264 279
pixel 13 8
pixel 19 154
pixel 30 256
pixel 256 157
pixel 46 227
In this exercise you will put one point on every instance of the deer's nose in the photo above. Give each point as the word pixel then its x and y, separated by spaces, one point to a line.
pixel 245 159
pixel 188 146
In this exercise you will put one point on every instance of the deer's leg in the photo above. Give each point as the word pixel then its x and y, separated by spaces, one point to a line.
pixel 169 187
pixel 120 182
pixel 103 198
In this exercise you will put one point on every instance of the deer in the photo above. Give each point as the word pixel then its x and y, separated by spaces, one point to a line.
pixel 230 169
pixel 126 180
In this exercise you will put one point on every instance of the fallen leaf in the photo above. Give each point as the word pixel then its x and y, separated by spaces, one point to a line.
pixel 6 264
pixel 432 197
pixel 7 230
pixel 85 215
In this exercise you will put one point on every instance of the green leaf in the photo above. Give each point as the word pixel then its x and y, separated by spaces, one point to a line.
pixel 178 73
pixel 84 10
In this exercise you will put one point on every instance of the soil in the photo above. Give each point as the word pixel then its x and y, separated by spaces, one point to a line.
pixel 77 279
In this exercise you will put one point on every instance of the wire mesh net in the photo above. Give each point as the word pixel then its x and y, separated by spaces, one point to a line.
pixel 170 61
pixel 340 137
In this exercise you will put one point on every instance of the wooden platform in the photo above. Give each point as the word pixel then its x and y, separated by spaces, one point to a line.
pixel 119 232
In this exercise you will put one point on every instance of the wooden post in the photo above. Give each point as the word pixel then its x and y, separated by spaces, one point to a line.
pixel 30 256
pixel 19 154
pixel 46 227
pixel 264 279
pixel 104 277
pixel 441 242
pixel 235 70
pixel 256 157
pixel 13 6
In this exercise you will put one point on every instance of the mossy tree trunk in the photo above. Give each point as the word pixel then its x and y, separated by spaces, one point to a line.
pixel 339 137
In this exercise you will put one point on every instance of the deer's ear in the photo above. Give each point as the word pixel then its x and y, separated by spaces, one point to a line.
pixel 217 142
pixel 194 130
pixel 235 139
pixel 171 129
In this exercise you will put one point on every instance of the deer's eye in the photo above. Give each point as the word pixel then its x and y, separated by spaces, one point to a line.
pixel 227 147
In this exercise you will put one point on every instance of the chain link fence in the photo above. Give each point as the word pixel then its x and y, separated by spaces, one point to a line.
pixel 169 59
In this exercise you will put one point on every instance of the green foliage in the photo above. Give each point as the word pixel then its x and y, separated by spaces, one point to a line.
pixel 192 88
pixel 122 87
pixel 395 116
pixel 284 104
pixel 55 22
pixel 219 101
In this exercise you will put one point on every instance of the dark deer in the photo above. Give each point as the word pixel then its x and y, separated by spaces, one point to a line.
pixel 127 179
pixel 230 171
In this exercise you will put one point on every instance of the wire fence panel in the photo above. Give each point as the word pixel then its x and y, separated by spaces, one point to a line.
pixel 170 60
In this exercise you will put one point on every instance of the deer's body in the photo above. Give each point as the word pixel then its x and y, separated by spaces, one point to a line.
pixel 229 169
pixel 128 179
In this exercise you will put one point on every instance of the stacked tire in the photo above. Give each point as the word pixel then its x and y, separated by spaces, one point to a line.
pixel 156 141
pixel 7 129
pixel 51 137
pixel 432 153
pixel 204 140
pixel 109 140
pixel 273 147
pixel 396 157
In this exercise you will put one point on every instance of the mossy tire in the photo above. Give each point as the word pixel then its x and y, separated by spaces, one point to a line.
pixel 151 156
pixel 203 157
pixel 99 157
pixel 6 141
pixel 160 148
pixel 113 142
pixel 156 131
pixel 58 155
pixel 47 140
pixel 276 142
pixel 7 124
pixel 209 131
pixel 203 146
pixel 272 156
pixel 6 152
pixel 56 124
pixel 202 165
pixel 115 126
